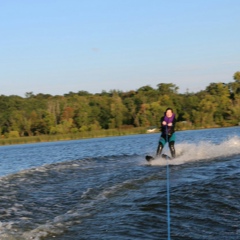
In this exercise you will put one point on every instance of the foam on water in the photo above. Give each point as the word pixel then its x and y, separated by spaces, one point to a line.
pixel 191 152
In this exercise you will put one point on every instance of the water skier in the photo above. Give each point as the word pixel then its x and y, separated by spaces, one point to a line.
pixel 168 122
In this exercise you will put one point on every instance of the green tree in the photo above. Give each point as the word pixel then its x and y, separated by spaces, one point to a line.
pixel 167 88
pixel 221 97
pixel 236 76
pixel 117 110
pixel 235 86
pixel 131 111
pixel 207 108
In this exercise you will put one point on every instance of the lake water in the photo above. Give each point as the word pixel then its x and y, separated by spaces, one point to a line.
pixel 104 189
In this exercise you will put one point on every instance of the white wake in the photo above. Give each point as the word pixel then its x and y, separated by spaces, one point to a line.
pixel 191 152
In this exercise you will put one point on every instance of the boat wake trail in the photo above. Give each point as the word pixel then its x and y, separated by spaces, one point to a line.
pixel 193 152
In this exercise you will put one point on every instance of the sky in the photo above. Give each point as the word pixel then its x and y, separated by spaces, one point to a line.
pixel 61 46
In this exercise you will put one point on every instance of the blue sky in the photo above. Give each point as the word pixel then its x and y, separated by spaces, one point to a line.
pixel 58 46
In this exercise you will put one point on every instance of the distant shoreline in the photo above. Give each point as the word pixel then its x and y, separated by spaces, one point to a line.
pixel 85 135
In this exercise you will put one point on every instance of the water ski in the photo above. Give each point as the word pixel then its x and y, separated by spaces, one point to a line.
pixel 150 158
pixel 165 156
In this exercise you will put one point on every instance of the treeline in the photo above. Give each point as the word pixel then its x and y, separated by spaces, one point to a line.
pixel 43 114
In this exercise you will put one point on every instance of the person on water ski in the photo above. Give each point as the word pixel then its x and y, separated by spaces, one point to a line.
pixel 168 134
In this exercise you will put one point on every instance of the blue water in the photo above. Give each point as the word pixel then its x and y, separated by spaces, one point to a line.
pixel 104 189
